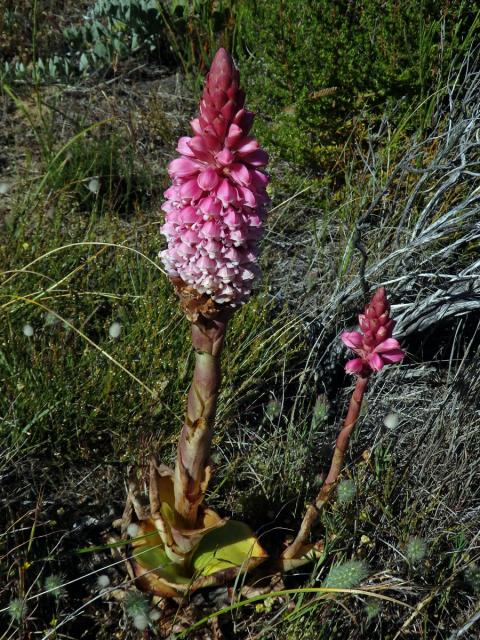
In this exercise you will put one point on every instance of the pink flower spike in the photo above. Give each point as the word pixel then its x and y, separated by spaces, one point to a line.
pixel 216 204
pixel 374 343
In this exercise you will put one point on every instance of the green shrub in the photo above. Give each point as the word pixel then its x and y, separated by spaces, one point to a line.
pixel 373 52
pixel 110 31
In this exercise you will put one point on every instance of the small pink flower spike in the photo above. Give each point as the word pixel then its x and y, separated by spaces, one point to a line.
pixel 373 344
pixel 215 207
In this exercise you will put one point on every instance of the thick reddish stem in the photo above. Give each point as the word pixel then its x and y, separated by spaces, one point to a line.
pixel 313 510
pixel 192 471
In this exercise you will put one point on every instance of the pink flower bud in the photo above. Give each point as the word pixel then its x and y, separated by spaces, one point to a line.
pixel 184 148
pixel 188 215
pixel 182 167
pixel 240 174
pixel 190 192
pixel 227 193
pixel 208 179
pixel 225 157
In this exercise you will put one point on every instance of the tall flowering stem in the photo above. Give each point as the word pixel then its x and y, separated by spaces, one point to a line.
pixel 215 210
pixel 374 347
pixel 192 471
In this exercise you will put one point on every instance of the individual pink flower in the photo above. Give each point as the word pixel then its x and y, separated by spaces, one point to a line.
pixel 215 207
pixel 373 344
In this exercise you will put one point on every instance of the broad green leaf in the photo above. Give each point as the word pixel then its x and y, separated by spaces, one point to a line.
pixel 232 545
pixel 152 556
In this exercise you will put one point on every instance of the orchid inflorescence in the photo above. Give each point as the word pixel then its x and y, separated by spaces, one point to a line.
pixel 373 344
pixel 215 207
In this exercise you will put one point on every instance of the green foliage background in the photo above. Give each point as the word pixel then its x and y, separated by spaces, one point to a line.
pixel 375 53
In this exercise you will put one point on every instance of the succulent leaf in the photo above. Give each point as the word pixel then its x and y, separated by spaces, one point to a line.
pixel 233 545
pixel 169 559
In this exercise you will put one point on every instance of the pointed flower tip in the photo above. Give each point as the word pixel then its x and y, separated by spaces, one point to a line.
pixel 373 343
pixel 222 65
pixel 222 57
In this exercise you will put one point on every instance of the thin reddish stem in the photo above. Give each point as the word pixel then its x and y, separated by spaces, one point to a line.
pixel 343 438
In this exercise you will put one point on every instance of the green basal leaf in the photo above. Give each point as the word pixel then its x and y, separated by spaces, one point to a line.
pixel 154 558
pixel 232 545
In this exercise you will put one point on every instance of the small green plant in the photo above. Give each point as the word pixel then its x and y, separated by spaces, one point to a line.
pixel 472 577
pixel 137 608
pixel 273 410
pixel 17 609
pixel 320 412
pixel 136 604
pixel 54 585
pixel 346 575
pixel 346 492
pixel 372 609
pixel 416 550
